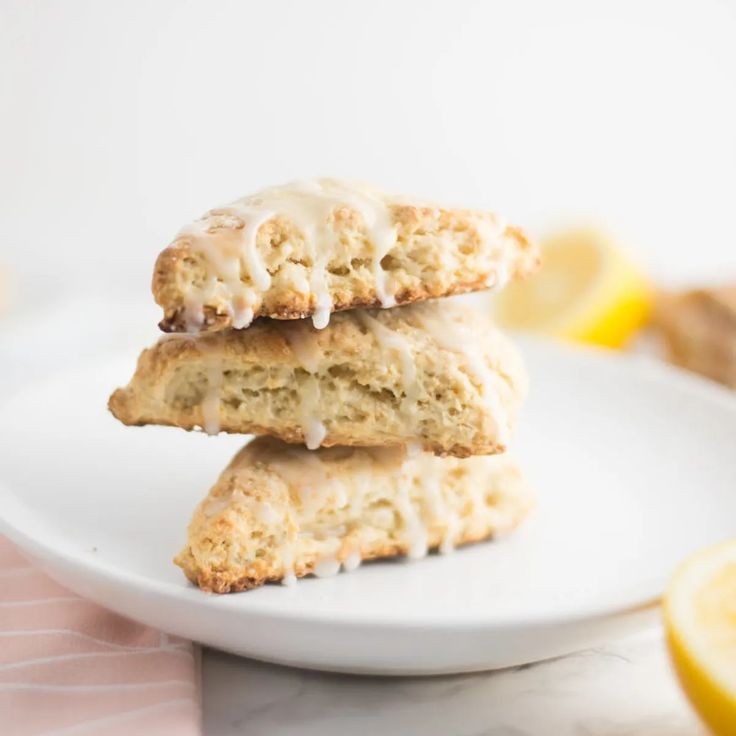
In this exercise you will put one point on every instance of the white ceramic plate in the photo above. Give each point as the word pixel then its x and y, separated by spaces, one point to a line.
pixel 633 464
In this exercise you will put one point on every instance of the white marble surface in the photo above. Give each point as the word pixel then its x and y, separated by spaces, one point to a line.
pixel 624 689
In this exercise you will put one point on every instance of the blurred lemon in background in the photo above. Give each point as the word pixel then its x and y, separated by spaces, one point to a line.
pixel 700 620
pixel 587 290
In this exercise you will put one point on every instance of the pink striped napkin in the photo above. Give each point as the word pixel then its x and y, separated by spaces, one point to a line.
pixel 68 666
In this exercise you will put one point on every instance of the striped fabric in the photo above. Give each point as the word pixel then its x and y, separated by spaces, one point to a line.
pixel 68 666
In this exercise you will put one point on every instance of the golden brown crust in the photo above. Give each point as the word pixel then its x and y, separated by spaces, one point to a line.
pixel 224 581
pixel 214 321
pixel 437 252
pixel 278 511
pixel 293 435
pixel 359 387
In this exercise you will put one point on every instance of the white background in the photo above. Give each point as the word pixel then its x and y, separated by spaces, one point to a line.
pixel 122 121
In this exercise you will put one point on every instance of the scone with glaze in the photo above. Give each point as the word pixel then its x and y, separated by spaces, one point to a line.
pixel 437 374
pixel 280 512
pixel 315 247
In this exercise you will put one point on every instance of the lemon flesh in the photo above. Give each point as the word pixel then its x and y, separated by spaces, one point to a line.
pixel 700 621
pixel 587 290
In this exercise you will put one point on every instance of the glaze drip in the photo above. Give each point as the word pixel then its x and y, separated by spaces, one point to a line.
pixel 393 340
pixel 228 239
pixel 457 337
pixel 304 344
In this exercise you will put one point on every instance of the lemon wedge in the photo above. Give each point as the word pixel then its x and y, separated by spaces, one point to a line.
pixel 700 620
pixel 587 290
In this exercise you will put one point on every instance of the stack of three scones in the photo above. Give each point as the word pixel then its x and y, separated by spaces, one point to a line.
pixel 312 316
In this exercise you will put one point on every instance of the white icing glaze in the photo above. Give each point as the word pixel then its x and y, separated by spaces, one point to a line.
pixel 314 433
pixel 318 281
pixel 306 474
pixel 459 338
pixel 393 340
pixel 304 344
pixel 313 428
pixel 351 562
pixel 438 508
pixel 418 545
pixel 321 315
pixel 498 279
pixel 228 239
pixel 453 527
pixel 223 273
pixel 194 311
pixel 327 567
pixel 264 512
pixel 254 218
pixel 309 475
pixel 242 317
pixel 382 233
pixel 287 561
pixel 415 530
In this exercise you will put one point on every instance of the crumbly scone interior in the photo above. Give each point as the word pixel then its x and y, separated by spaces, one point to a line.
pixel 431 373
pixel 314 247
pixel 280 512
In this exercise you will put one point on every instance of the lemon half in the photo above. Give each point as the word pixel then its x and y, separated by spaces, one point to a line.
pixel 587 290
pixel 700 620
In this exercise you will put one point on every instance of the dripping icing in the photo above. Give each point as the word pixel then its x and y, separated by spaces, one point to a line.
pixel 228 239
pixel 457 337
pixel 304 344
pixel 393 340
pixel 415 530
pixel 327 567
pixel 287 561
pixel 352 562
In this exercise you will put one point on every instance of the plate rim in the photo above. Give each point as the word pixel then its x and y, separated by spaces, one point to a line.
pixel 99 569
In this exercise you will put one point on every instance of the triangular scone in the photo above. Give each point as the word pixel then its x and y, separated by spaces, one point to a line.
pixel 312 248
pixel 279 512
pixel 437 374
